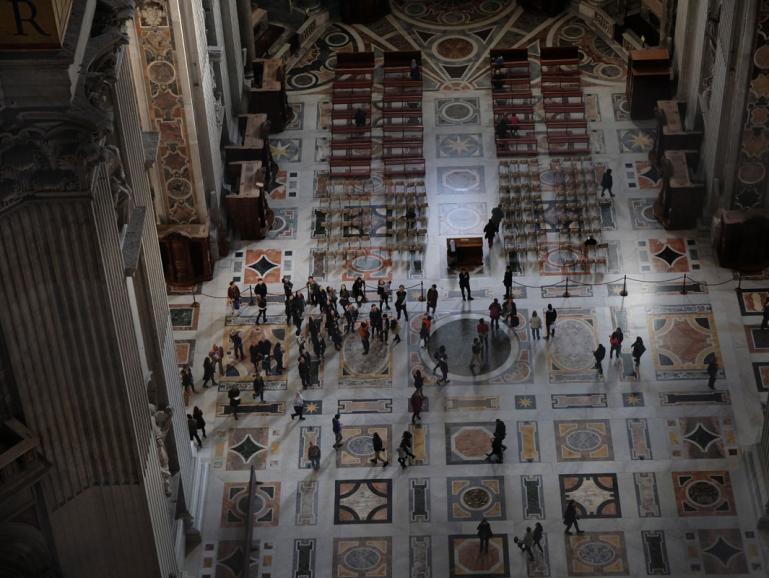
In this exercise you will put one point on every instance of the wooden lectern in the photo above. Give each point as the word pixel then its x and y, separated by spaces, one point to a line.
pixel 648 80
pixel 186 254
pixel 248 208
pixel 465 252
pixel 671 134
pixel 679 202
pixel 268 93
pixel 741 239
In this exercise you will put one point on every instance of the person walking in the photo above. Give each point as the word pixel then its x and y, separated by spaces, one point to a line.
pixel 313 455
pixel 765 319
pixel 375 320
pixel 400 302
pixel 233 298
pixel 550 316
pixel 497 449
pixel 637 350
pixel 712 372
pixel 192 426
pixel 404 450
pixel 217 355
pixel 336 427
pixel 432 298
pixel 379 449
pixel 395 329
pixel 234 397
pixel 570 517
pixel 489 232
pixel 424 330
pixel 200 421
pixel 209 372
pixel 507 281
pixel 384 335
pixel 615 342
pixel 298 406
pixel 536 536
pixel 443 365
pixel 483 334
pixel 288 286
pixel 277 353
pixel 364 335
pixel 599 354
pixel 536 324
pixel 484 534
pixel 258 387
pixel 477 351
pixel 188 386
pixel 510 311
pixel 525 543
pixel 500 431
pixel 261 304
pixel 464 284
pixel 237 345
pixel 419 380
pixel 417 400
pixel 495 312
pixel 606 183
pixel 383 291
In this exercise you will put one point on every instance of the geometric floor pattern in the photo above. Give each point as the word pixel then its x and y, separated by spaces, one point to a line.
pixel 659 466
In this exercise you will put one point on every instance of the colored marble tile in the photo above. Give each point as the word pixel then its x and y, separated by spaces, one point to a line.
pixel 185 352
pixel 576 400
pixel 174 289
pixel 701 437
pixel 655 552
pixel 642 214
pixel 419 500
pixel 525 402
pixel 672 255
pixel 420 557
pixel 373 263
pixel 647 496
pixel 459 145
pixel 464 180
pixel 364 406
pixel 683 340
pixel 570 354
pixel 307 435
pixel 597 554
pixel 295 116
pixel 583 440
pixel 596 495
pixel 287 150
pixel 555 259
pixel 758 340
pixel 648 175
pixel 362 558
pixel 468 443
pixel 263 264
pixel 420 440
pixel 230 559
pixel 528 441
pixel 472 402
pixel 635 140
pixel 284 224
pixel 357 370
pixel 247 447
pixel 304 558
pixel 694 398
pixel 633 399
pixel 466 560
pixel 306 503
pixel 533 496
pixel 357 447
pixel 551 292
pixel 184 317
pixel 458 219
pixel 363 502
pixel 638 438
pixel 473 498
pixel 242 370
pixel 752 301
pixel 722 551
pixel 266 507
pixel 704 493
pixel 457 111
pixel 620 106
pixel 761 373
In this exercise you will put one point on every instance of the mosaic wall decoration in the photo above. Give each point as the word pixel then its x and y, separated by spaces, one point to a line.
pixel 570 355
pixel 362 558
pixel 533 495
pixel 184 317
pixel 419 500
pixel 178 178
pixel 468 443
pixel 473 498
pixel 363 502
pixel 304 558
pixel 597 554
pixel 466 559
pixel 596 495
pixel 583 440
pixel 704 493
pixel 683 340
pixel 358 448
pixel 235 504
pixel 647 496
pixel 701 437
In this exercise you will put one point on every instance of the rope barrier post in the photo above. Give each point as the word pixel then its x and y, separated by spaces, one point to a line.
pixel 739 283
pixel 623 293
pixel 195 303
pixel 566 293
pixel 683 287
pixel 421 291
pixel 250 296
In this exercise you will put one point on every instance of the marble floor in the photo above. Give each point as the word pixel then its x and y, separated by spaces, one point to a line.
pixel 660 466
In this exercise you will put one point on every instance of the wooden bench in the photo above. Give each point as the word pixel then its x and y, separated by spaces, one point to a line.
pixel 568 144
pixel 350 167
pixel 402 97
pixel 566 124
pixel 509 147
pixel 405 167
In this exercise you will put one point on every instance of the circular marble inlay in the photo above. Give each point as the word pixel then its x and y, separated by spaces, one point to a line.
pixel 457 111
pixel 583 440
pixel 454 48
pixel 761 57
pixel 242 504
pixel 367 263
pixel 360 446
pixel 304 80
pixel 179 188
pixel 463 219
pixel 457 336
pixel 278 223
pixel 572 32
pixel 611 71
pixel 415 9
pixel 362 558
pixel 161 72
pixel 476 498
pixel 336 39
pixel 461 180
pixel 573 345
pixel 751 173
pixel 703 493
pixel 491 6
pixel 596 553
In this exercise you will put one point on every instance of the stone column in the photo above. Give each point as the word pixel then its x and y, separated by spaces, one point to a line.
pixel 246 33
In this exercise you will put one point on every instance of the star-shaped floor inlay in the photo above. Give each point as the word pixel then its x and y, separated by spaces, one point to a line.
pixel 702 437
pixel 247 448
pixel 262 265
pixel 722 550
pixel 669 255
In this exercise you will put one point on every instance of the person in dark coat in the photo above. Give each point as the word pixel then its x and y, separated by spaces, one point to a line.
pixel 417 400
pixel 432 298
pixel 192 426
pixel 400 302
pixel 258 386
pixel 336 427
pixel 599 354
pixel 489 232
pixel 464 284
pixel 378 446
pixel 197 415
pixel 570 517
pixel 484 534
pixel 209 371
pixel 550 316
pixel 606 183
pixel 712 372
pixel 234 396
pixel 615 342
pixel 507 281
pixel 637 350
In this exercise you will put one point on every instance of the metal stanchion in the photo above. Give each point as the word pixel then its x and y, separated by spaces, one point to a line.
pixel 683 287
pixel 251 296
pixel 566 292
pixel 421 291
pixel 194 301
pixel 623 293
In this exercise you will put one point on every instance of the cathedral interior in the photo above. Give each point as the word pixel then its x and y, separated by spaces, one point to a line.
pixel 189 189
